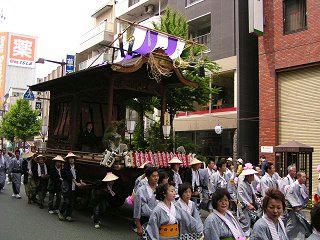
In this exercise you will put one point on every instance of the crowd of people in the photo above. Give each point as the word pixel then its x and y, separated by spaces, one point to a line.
pixel 59 180
pixel 243 201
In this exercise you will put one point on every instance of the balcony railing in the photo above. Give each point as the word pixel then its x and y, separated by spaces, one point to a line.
pixel 132 2
pixel 203 39
pixel 101 28
pixel 103 58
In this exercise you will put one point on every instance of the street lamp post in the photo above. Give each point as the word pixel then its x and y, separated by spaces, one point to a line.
pixel 130 128
pixel 42 61
pixel 166 129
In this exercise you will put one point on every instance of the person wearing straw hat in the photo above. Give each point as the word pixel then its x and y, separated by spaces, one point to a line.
pixel 247 199
pixel 174 174
pixel 68 187
pixel 54 185
pixel 15 170
pixel 29 168
pixel 42 177
pixel 192 176
pixel 103 195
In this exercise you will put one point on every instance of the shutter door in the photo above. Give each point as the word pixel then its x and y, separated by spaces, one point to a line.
pixel 299 111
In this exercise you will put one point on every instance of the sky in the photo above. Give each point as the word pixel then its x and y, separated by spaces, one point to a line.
pixel 58 25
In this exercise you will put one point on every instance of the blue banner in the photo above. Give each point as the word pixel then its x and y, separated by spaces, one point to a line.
pixel 70 60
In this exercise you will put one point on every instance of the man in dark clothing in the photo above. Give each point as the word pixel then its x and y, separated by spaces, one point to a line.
pixel 54 185
pixel 103 195
pixel 41 179
pixel 88 141
pixel 29 169
pixel 263 162
pixel 68 187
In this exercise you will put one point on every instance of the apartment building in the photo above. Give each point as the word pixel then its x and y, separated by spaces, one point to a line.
pixel 289 72
pixel 223 25
pixel 94 41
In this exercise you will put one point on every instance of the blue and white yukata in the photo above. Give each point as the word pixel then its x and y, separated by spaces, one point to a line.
pixel 265 229
pixel 163 218
pixel 218 226
pixel 297 197
pixel 3 170
pixel 267 182
pixel 16 169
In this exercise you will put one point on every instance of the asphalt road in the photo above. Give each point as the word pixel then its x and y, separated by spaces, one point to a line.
pixel 20 221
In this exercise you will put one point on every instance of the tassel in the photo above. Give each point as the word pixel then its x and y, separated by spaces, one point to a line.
pixel 201 71
pixel 191 66
pixel 121 46
pixel 131 42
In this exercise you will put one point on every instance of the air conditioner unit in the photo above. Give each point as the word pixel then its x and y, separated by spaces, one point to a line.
pixel 149 9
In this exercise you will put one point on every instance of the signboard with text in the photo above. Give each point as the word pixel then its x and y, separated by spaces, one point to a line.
pixel 70 63
pixel 3 61
pixel 22 51
pixel 266 149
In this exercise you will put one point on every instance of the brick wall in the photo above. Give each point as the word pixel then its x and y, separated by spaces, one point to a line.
pixel 278 51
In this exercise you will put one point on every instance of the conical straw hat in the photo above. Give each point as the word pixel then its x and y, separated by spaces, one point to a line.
pixel 58 158
pixel 110 177
pixel 194 161
pixel 70 154
pixel 175 160
pixel 28 155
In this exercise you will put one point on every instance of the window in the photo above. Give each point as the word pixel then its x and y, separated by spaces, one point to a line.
pixel 295 17
pixel 132 2
pixel 190 2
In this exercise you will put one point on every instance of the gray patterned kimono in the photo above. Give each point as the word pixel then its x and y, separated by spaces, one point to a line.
pixel 3 169
pixel 215 228
pixel 219 181
pixel 261 231
pixel 266 183
pixel 246 196
pixel 314 236
pixel 160 217
pixel 144 202
pixel 15 170
pixel 297 197
pixel 193 212
pixel 285 183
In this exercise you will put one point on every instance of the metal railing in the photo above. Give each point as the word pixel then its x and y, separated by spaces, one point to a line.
pixel 132 2
pixel 203 39
pixel 103 26
pixel 103 58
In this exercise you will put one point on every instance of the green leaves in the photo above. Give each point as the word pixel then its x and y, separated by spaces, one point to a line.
pixel 21 122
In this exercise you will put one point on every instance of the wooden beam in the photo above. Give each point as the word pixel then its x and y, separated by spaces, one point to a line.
pixel 110 101
pixel 75 121
pixel 163 109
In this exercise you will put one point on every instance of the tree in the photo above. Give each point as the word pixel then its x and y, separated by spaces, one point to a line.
pixel 183 99
pixel 21 122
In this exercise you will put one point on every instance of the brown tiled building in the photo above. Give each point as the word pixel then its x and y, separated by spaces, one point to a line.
pixel 289 76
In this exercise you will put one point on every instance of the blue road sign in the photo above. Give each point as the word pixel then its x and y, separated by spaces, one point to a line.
pixel 28 95
pixel 70 63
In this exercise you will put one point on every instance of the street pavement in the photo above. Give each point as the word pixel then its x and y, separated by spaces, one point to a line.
pixel 21 221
